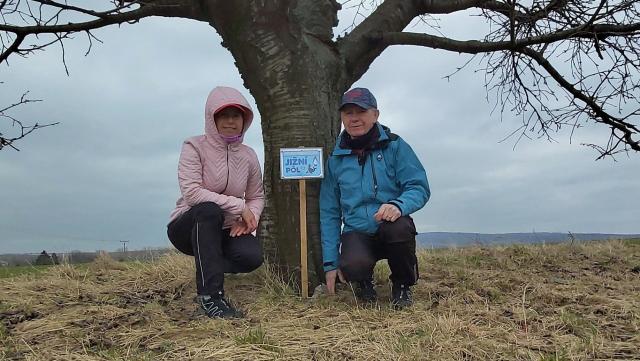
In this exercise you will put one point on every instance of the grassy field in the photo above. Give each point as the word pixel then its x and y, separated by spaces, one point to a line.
pixel 6 272
pixel 553 302
pixel 36 270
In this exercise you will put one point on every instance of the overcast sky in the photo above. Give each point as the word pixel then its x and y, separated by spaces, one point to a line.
pixel 107 172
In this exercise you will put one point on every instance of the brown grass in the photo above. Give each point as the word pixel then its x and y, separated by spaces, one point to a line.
pixel 558 302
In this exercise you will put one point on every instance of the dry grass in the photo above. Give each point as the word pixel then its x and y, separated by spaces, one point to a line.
pixel 560 302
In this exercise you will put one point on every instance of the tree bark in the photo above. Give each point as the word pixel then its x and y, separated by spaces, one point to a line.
pixel 296 75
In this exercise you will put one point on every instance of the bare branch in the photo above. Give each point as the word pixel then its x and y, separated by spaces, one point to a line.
pixel 600 42
pixel 390 16
pixel 475 46
pixel 12 48
pixel 23 130
pixel 618 125
pixel 61 20
pixel 23 100
pixel 118 18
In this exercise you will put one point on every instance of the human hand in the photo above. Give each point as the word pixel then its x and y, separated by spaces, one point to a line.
pixel 238 228
pixel 249 219
pixel 330 278
pixel 387 212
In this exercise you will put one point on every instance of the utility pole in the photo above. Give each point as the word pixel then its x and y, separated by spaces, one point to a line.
pixel 124 246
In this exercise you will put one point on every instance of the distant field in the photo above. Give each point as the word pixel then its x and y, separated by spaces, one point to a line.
pixel 560 302
pixel 37 271
pixel 12 271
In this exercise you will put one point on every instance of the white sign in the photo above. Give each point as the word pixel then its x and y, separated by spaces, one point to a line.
pixel 301 163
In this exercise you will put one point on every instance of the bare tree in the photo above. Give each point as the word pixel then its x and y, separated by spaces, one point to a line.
pixel 555 63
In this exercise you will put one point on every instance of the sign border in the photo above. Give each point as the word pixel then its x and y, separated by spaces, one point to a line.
pixel 301 149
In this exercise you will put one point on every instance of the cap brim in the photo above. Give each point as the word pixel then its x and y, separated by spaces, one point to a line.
pixel 360 104
pixel 237 106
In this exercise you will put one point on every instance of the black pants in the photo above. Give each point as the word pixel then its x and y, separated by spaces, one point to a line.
pixel 395 241
pixel 199 233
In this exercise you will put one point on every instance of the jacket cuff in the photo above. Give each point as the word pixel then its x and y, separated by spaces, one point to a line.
pixel 330 266
pixel 255 210
pixel 397 204
pixel 240 204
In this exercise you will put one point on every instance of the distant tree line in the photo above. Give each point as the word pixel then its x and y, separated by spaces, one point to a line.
pixel 74 257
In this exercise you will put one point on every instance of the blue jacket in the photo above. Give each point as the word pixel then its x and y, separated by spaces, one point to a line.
pixel 351 193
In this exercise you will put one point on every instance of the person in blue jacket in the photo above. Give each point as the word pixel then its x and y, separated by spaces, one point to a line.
pixel 373 182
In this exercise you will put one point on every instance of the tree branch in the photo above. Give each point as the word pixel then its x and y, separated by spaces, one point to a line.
pixel 104 20
pixel 36 23
pixel 392 15
pixel 98 14
pixel 601 31
pixel 357 49
pixel 363 45
pixel 12 48
pixel 617 124
pixel 6 141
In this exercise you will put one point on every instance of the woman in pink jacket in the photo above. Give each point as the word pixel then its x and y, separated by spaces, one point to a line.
pixel 222 198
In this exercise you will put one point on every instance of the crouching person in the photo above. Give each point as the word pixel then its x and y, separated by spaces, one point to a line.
pixel 222 199
pixel 373 182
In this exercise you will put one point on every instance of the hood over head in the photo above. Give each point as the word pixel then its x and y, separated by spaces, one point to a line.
pixel 219 98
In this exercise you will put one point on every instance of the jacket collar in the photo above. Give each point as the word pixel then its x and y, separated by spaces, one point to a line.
pixel 338 150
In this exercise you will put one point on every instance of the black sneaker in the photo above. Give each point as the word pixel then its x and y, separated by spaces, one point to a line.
pixel 401 296
pixel 217 306
pixel 365 291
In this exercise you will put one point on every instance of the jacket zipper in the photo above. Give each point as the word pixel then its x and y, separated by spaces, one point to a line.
pixel 226 185
pixel 366 207
pixel 375 179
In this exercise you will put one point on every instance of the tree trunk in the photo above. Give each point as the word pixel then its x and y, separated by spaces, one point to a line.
pixel 296 76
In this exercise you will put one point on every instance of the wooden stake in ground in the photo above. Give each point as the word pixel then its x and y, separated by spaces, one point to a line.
pixel 302 163
pixel 304 278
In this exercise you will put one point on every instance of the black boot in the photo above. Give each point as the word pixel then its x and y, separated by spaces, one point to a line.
pixel 216 306
pixel 365 291
pixel 401 296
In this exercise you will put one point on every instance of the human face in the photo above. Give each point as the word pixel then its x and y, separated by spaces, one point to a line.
pixel 229 121
pixel 358 121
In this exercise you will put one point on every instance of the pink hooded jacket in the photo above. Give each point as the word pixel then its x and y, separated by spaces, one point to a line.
pixel 210 170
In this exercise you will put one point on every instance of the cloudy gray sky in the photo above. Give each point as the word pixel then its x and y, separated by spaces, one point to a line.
pixel 107 172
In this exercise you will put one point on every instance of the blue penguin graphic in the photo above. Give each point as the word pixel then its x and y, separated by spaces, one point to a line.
pixel 314 165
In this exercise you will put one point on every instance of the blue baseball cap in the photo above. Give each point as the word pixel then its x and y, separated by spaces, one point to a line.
pixel 361 97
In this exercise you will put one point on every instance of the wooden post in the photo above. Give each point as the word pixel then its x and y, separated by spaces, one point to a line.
pixel 303 239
